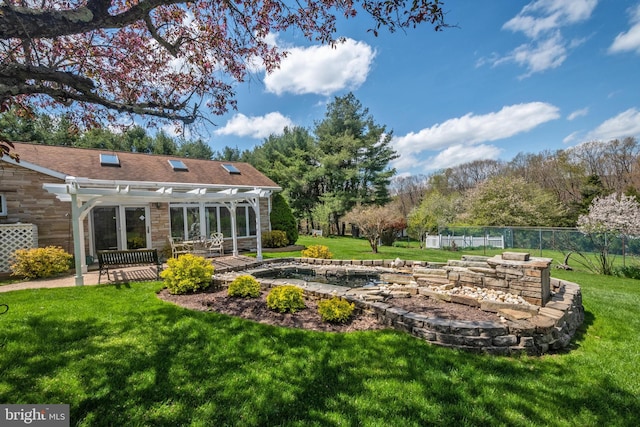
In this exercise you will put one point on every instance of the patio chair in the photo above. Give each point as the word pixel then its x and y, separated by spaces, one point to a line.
pixel 215 244
pixel 178 247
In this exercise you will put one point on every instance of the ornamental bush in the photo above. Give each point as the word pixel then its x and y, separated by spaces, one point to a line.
pixel 40 262
pixel 287 298
pixel 187 273
pixel 282 218
pixel 244 286
pixel 335 310
pixel 274 239
pixel 317 251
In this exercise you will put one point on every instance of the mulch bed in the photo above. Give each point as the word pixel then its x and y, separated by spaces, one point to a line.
pixel 256 309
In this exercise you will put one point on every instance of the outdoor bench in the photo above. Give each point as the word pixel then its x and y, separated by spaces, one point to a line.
pixel 127 258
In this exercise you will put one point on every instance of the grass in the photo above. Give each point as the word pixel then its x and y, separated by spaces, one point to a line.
pixel 350 248
pixel 120 356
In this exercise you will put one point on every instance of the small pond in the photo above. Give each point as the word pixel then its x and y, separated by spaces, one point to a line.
pixel 360 280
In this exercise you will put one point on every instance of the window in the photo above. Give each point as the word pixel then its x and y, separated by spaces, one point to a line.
pixel 225 221
pixel 212 219
pixel 177 222
pixel 241 220
pixel 3 205
pixel 109 160
pixel 231 168
pixel 178 165
pixel 217 218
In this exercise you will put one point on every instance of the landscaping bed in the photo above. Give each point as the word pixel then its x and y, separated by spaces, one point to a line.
pixel 256 309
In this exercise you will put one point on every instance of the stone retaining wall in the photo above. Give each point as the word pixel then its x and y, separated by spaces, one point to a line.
pixel 530 329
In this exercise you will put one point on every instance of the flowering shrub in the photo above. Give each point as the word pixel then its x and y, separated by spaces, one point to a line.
pixel 317 251
pixel 244 286
pixel 335 310
pixel 287 298
pixel 608 216
pixel 187 273
pixel 40 262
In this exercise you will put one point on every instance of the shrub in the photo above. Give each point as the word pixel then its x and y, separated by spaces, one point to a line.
pixel 317 251
pixel 287 298
pixel 244 286
pixel 335 310
pixel 629 271
pixel 187 273
pixel 274 239
pixel 282 218
pixel 40 262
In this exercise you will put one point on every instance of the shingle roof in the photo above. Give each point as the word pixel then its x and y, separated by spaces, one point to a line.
pixel 85 163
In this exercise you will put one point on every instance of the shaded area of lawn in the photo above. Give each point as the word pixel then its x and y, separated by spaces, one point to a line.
pixel 120 356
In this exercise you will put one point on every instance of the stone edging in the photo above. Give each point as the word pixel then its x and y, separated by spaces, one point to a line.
pixel 547 328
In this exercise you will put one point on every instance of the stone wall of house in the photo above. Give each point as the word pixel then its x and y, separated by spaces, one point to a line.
pixel 160 228
pixel 28 202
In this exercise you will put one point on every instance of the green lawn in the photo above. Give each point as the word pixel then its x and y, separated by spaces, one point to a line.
pixel 120 356
pixel 350 248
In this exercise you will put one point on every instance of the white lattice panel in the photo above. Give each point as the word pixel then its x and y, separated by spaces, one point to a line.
pixel 13 237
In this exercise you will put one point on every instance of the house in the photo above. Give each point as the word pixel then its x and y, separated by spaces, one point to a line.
pixel 87 200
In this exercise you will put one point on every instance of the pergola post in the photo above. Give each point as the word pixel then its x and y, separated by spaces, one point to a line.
pixel 234 232
pixel 78 247
pixel 255 204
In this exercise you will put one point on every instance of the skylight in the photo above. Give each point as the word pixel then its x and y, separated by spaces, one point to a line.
pixel 109 160
pixel 178 165
pixel 231 168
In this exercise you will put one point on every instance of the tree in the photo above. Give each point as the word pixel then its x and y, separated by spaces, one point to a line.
pixel 436 210
pixel 20 125
pixel 195 150
pixel 508 201
pixel 609 216
pixel 372 221
pixel 354 156
pixel 291 160
pixel 408 191
pixel 167 59
pixel 282 218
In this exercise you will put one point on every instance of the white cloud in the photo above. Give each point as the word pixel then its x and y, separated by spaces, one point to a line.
pixel 462 139
pixel 578 113
pixel 571 137
pixel 624 124
pixel 629 41
pixel 322 69
pixel 255 127
pixel 536 57
pixel 458 154
pixel 472 129
pixel 449 157
pixel 541 21
pixel 541 16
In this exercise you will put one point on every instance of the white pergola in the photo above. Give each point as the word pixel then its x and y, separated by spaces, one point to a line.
pixel 85 193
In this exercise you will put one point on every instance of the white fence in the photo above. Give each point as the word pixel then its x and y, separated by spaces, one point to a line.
pixel 15 236
pixel 440 241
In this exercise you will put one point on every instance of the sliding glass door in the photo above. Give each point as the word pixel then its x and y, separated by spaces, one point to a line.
pixel 120 227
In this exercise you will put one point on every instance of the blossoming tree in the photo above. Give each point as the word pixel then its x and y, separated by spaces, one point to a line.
pixel 166 59
pixel 610 216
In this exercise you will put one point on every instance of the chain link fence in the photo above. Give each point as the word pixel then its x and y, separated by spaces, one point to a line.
pixel 540 238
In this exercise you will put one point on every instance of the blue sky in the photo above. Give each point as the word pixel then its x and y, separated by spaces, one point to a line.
pixel 513 76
